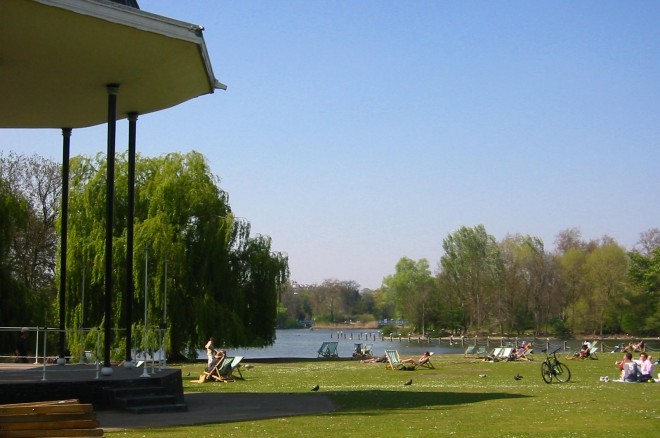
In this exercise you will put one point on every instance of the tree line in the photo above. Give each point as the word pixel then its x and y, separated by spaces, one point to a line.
pixel 190 248
pixel 221 281
pixel 514 286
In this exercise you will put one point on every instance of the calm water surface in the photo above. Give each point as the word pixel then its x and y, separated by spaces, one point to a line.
pixel 305 343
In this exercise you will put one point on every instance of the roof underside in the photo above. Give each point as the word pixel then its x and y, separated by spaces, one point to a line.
pixel 58 56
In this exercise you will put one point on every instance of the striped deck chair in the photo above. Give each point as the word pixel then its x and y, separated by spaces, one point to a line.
pixel 505 353
pixel 328 349
pixel 471 351
pixel 393 360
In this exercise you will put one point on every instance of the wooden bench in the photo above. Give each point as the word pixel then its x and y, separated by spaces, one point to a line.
pixel 62 418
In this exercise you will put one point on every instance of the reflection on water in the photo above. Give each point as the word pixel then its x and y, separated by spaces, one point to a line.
pixel 305 344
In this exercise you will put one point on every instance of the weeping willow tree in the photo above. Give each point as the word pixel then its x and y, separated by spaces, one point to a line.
pixel 189 249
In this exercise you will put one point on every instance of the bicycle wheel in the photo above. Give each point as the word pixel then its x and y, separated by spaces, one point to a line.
pixel 562 373
pixel 545 372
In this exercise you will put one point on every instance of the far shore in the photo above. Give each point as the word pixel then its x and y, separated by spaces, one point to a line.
pixel 374 326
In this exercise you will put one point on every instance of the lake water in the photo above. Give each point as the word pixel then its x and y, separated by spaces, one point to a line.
pixel 305 343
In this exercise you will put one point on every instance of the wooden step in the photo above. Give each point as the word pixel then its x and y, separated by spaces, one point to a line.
pixel 47 419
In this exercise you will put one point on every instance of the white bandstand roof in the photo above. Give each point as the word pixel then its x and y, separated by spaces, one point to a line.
pixel 58 56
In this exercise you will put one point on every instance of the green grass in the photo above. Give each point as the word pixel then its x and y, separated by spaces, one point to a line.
pixel 450 400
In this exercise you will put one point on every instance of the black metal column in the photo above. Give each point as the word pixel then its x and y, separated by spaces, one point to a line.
pixel 130 286
pixel 109 225
pixel 66 148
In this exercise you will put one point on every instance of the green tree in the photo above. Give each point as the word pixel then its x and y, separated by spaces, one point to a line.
pixel 413 288
pixel 36 181
pixel 641 316
pixel 606 270
pixel 572 285
pixel 215 270
pixel 472 264
pixel 14 297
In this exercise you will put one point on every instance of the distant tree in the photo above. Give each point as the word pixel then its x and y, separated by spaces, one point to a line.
pixel 471 263
pixel 648 241
pixel 570 238
pixel 572 285
pixel 641 315
pixel 14 293
pixel 336 300
pixel 38 182
pixel 384 303
pixel 413 287
pixel 606 270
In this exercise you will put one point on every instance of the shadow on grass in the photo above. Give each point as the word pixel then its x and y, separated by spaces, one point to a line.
pixel 388 400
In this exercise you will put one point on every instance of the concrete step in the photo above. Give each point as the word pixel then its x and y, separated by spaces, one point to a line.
pixel 135 390
pixel 144 399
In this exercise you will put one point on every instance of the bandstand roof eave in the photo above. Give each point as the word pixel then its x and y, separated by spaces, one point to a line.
pixel 58 56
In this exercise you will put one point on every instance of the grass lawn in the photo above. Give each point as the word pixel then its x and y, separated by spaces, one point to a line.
pixel 451 399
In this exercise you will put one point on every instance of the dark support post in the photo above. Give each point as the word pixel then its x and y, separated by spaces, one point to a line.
pixel 66 147
pixel 109 223
pixel 130 286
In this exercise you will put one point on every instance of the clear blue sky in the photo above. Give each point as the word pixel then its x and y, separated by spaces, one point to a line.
pixel 355 133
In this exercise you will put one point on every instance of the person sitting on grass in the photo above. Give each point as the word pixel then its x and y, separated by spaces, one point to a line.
pixel 629 369
pixel 644 368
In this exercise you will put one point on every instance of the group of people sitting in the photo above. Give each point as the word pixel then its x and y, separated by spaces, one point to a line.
pixel 636 370
pixel 514 354
pixel 631 347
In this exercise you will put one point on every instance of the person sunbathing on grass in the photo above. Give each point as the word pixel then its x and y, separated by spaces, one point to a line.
pixel 520 352
pixel 422 359
pixel 374 360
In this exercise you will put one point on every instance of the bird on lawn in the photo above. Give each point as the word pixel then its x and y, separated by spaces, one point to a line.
pixel 408 383
pixel 517 377
pixel 482 375
pixel 316 388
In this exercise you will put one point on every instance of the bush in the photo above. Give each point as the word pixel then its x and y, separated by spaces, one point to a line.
pixel 559 328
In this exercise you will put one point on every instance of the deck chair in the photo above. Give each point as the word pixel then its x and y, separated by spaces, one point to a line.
pixel 322 349
pixel 481 352
pixel 426 364
pixel 328 349
pixel 592 353
pixel 393 360
pixel 471 351
pixel 235 367
pixel 220 371
pixel 362 350
pixel 493 355
pixel 505 353
pixel 527 355
pixel 367 350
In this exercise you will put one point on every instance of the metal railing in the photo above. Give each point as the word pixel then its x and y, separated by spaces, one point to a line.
pixel 43 354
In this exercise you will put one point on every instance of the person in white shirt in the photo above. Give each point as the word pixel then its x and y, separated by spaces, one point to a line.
pixel 644 367
pixel 210 351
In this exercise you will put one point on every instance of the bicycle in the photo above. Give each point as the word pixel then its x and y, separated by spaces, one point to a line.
pixel 551 368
